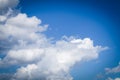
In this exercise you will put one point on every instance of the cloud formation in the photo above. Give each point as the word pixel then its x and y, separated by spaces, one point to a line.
pixel 113 70
pixel 113 79
pixel 7 4
pixel 110 74
pixel 39 58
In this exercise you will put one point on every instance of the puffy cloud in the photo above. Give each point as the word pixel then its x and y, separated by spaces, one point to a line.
pixel 26 72
pixel 53 62
pixel 43 59
pixel 21 25
pixel 33 72
pixel 37 56
pixel 2 18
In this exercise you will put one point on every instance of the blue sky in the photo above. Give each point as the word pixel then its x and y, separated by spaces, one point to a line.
pixel 97 20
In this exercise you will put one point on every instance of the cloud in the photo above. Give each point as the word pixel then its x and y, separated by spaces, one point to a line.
pixel 38 58
pixel 113 70
pixel 6 4
pixel 113 79
pixel 112 73
pixel 108 75
pixel 21 25
pixel 117 78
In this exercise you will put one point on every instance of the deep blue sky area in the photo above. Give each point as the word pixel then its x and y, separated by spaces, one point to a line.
pixel 96 19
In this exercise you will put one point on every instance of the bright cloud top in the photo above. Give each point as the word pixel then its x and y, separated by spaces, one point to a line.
pixel 38 57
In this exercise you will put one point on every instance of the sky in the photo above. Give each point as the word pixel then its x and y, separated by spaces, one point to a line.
pixel 59 40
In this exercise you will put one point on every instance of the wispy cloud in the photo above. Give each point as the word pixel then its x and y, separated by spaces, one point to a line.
pixel 110 73
pixel 113 79
pixel 113 70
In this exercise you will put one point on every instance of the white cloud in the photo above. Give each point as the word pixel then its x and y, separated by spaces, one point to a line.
pixel 2 18
pixel 50 60
pixel 37 57
pixel 113 70
pixel 26 72
pixel 53 60
pixel 20 25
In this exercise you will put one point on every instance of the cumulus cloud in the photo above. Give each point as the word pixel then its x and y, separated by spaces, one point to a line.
pixel 37 56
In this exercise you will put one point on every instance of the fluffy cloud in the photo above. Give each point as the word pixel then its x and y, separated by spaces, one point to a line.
pixel 20 25
pixel 37 56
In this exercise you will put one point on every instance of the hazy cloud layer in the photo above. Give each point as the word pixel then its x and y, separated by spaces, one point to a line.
pixel 39 58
